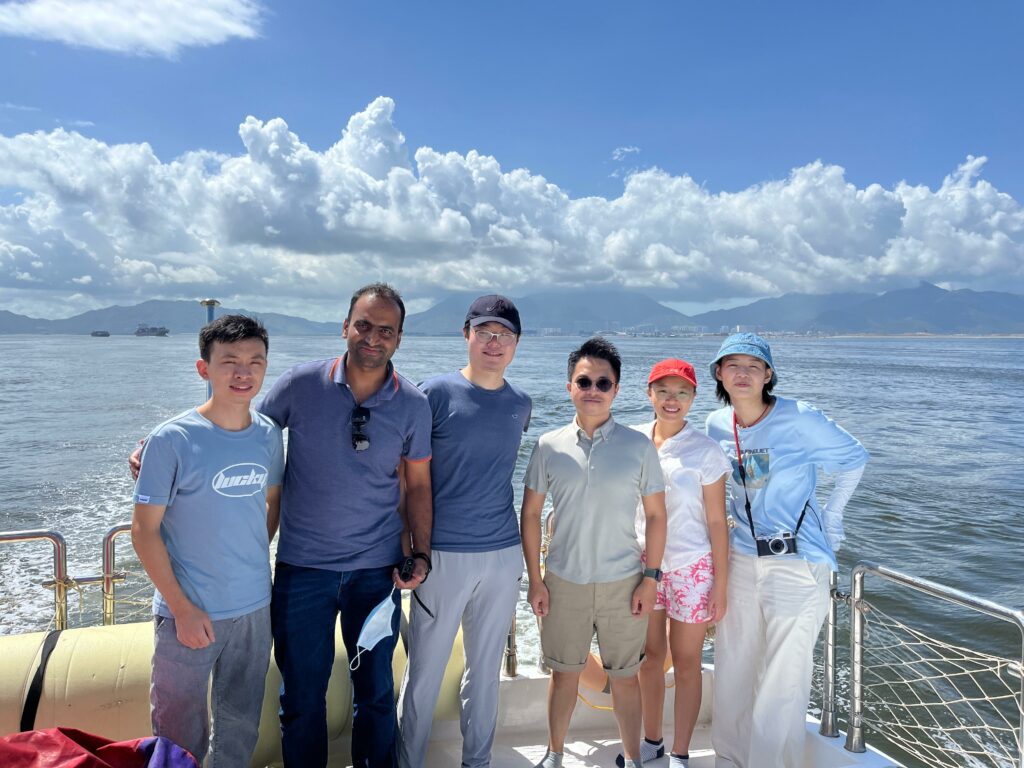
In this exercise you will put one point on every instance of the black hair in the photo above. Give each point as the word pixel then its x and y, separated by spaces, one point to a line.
pixel 723 396
pixel 596 348
pixel 228 329
pixel 383 291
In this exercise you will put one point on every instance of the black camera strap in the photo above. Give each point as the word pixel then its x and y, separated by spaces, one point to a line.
pixel 743 479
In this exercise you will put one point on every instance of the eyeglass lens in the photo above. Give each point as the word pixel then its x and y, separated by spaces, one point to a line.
pixel 603 384
pixel 484 337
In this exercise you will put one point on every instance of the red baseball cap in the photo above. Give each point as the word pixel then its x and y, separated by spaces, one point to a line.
pixel 672 367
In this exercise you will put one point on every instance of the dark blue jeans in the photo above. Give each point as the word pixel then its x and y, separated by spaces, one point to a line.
pixel 305 605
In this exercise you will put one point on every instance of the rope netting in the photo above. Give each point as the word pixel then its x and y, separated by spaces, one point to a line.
pixel 944 704
pixel 133 599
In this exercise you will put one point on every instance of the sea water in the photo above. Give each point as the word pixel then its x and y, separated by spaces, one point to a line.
pixel 941 497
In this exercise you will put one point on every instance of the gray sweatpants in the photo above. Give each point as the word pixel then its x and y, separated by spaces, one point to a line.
pixel 479 590
pixel 238 661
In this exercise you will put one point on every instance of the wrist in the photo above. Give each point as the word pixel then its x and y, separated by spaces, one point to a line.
pixel 653 574
pixel 426 559
pixel 180 608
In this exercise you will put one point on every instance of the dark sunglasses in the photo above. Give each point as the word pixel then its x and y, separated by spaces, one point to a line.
pixel 360 418
pixel 603 384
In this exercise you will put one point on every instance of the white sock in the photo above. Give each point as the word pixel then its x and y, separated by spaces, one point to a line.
pixel 675 761
pixel 649 750
pixel 551 760
pixel 628 762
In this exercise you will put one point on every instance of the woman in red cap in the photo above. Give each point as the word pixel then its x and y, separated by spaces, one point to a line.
pixel 692 589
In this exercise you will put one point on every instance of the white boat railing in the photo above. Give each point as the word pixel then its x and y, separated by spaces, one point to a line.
pixel 943 704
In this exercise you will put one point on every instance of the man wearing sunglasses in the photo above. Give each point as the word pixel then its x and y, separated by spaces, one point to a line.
pixel 478 423
pixel 352 421
pixel 596 472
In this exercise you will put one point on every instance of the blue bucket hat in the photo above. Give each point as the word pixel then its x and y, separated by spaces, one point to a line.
pixel 746 344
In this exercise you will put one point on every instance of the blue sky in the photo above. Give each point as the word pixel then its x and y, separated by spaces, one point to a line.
pixel 697 129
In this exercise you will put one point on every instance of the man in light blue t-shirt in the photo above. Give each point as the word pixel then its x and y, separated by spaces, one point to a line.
pixel 478 423
pixel 206 506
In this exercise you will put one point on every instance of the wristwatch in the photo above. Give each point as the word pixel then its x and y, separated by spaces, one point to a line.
pixel 426 559
pixel 653 573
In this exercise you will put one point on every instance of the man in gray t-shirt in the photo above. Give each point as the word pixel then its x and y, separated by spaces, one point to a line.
pixel 596 472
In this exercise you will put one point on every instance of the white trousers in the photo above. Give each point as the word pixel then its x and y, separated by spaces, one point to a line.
pixel 478 590
pixel 764 656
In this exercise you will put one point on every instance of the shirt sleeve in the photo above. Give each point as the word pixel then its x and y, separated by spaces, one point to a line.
pixel 831 447
pixel 846 484
pixel 652 479
pixel 417 444
pixel 529 413
pixel 157 483
pixel 715 463
pixel 536 477
pixel 277 403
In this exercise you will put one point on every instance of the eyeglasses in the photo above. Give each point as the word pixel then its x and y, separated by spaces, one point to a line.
pixel 504 339
pixel 603 384
pixel 360 418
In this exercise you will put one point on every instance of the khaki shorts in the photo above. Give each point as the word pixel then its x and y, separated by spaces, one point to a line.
pixel 577 610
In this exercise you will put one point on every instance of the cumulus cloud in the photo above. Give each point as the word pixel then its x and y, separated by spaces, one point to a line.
pixel 284 225
pixel 621 153
pixel 139 27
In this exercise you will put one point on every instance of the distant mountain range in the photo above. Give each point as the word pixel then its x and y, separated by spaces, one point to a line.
pixel 176 316
pixel 568 312
pixel 924 309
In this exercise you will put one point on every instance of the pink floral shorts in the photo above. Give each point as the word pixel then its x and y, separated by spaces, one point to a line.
pixel 684 594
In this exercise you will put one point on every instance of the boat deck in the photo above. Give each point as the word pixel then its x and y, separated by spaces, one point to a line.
pixel 584 749
pixel 593 742
pixel 588 748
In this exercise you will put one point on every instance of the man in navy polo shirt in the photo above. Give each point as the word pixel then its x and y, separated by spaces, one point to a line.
pixel 478 422
pixel 352 422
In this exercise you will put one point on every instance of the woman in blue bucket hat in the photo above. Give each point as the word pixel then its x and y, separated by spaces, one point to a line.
pixel 783 550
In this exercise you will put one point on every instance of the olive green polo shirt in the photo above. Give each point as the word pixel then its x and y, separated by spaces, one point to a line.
pixel 594 486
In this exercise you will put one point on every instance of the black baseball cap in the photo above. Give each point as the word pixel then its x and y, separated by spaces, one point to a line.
pixel 494 309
